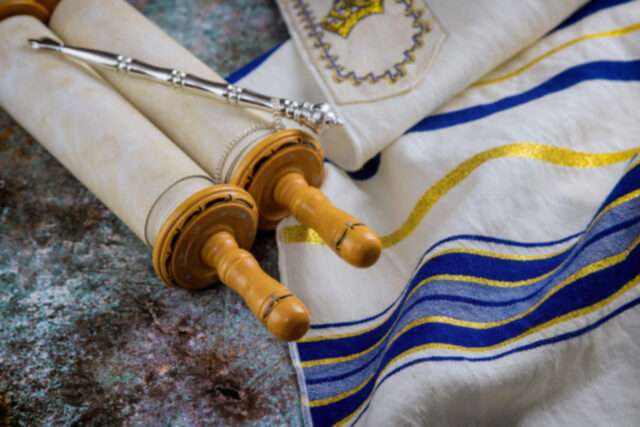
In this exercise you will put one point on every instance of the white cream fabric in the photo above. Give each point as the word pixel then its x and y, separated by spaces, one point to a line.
pixel 93 131
pixel 507 292
pixel 463 41
pixel 204 129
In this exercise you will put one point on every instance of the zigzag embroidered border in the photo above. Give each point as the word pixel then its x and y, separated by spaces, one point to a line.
pixel 392 75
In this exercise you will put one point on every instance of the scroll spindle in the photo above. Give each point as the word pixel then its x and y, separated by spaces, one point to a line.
pixel 282 173
pixel 205 240
pixel 281 312
pixel 161 194
pixel 235 147
pixel 348 237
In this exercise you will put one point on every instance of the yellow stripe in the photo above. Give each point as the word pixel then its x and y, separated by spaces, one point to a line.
pixel 592 268
pixel 597 266
pixel 583 272
pixel 620 200
pixel 302 233
pixel 458 277
pixel 572 315
pixel 545 153
pixel 613 33
pixel 472 279
pixel 497 255
pixel 506 284
pixel 328 400
pixel 342 359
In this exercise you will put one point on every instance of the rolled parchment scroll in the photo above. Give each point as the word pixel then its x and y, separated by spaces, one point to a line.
pixel 204 129
pixel 279 168
pixel 93 131
pixel 196 229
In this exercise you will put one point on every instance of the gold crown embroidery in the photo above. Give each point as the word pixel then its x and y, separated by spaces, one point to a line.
pixel 345 14
pixel 342 74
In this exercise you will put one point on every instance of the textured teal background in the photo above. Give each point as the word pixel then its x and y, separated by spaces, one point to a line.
pixel 88 334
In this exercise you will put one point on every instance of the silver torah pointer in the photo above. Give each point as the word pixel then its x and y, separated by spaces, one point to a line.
pixel 317 117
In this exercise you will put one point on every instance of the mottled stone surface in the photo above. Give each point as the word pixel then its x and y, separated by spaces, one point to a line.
pixel 88 334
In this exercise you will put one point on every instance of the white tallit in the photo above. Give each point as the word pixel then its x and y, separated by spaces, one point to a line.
pixel 510 218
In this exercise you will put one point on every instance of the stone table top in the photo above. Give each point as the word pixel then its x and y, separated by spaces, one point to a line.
pixel 88 333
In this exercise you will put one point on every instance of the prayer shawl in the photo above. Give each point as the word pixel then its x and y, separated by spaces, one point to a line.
pixel 509 213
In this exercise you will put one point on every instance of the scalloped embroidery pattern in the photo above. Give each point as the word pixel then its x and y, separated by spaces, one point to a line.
pixel 339 73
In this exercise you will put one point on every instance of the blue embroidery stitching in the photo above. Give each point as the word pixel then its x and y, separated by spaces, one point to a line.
pixel 340 75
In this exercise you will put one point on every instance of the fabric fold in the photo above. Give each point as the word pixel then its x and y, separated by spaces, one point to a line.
pixel 397 63
pixel 508 287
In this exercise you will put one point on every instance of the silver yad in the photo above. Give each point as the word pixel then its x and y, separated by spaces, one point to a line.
pixel 316 117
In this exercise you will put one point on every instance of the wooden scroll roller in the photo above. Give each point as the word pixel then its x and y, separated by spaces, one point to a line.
pixel 203 240
pixel 281 169
pixel 199 232
pixel 34 8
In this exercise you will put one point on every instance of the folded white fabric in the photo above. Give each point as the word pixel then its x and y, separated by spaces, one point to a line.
pixel 384 65
pixel 507 291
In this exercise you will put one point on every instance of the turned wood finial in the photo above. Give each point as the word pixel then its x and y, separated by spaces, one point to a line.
pixel 349 238
pixel 205 240
pixel 279 310
pixel 282 173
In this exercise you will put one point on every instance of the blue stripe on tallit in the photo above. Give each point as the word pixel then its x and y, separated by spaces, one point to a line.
pixel 433 300
pixel 492 268
pixel 628 183
pixel 588 9
pixel 598 70
pixel 531 346
pixel 504 301
pixel 463 264
pixel 243 71
pixel 610 234
pixel 581 294
pixel 487 239
pixel 471 237
pixel 368 170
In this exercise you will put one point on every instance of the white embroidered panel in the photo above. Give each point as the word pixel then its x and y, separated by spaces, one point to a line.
pixel 367 49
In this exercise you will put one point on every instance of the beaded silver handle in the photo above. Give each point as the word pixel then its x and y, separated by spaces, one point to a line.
pixel 317 117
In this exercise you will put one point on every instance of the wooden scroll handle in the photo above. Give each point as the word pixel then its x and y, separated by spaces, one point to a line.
pixel 349 238
pixel 10 8
pixel 280 311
